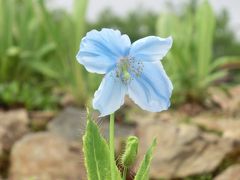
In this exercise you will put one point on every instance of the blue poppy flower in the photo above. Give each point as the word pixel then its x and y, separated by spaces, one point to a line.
pixel 130 69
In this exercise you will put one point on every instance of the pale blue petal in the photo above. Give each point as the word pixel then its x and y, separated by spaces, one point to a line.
pixel 151 48
pixel 99 50
pixel 153 89
pixel 110 95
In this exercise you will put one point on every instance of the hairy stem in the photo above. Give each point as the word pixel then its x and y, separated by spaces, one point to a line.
pixel 124 173
pixel 111 144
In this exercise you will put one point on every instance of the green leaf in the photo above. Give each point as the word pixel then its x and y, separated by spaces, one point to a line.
pixel 226 60
pixel 143 171
pixel 205 26
pixel 79 13
pixel 44 69
pixel 45 50
pixel 97 155
pixel 214 77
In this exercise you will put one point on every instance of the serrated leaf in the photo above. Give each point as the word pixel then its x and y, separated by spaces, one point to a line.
pixel 143 171
pixel 96 154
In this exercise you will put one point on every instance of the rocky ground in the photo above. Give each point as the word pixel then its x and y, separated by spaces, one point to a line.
pixel 204 145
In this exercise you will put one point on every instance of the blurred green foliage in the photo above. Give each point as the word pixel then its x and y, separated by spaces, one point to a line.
pixel 38 49
pixel 15 94
pixel 190 62
pixel 37 54
pixel 136 24
pixel 24 45
pixel 225 43
pixel 218 44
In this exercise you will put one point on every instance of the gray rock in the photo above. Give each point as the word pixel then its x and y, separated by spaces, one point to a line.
pixel 229 101
pixel 228 127
pixel 182 150
pixel 13 125
pixel 45 156
pixel 40 119
pixel 122 131
pixel 69 124
pixel 231 173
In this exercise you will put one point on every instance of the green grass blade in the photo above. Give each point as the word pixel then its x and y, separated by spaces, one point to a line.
pixel 80 7
pixel 223 61
pixel 214 77
pixel 205 27
pixel 143 172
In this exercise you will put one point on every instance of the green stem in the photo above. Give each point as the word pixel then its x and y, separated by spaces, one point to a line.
pixel 124 173
pixel 111 144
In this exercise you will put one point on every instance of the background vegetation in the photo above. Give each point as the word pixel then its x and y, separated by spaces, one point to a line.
pixel 38 48
pixel 39 71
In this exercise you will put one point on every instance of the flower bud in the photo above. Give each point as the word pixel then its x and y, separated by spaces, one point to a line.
pixel 131 150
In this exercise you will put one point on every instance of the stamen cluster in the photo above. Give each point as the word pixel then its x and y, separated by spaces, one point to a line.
pixel 127 68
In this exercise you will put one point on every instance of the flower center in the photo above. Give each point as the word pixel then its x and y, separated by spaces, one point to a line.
pixel 127 68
